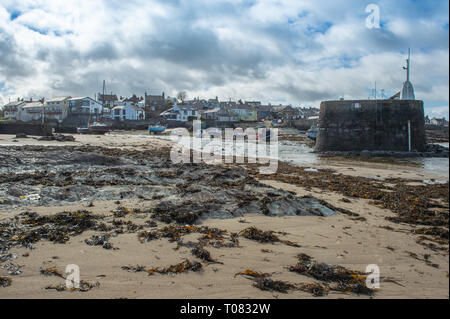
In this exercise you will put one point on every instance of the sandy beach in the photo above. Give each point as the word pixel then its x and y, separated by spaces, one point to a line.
pixel 361 231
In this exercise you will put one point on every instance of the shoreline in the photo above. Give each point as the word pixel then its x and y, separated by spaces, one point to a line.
pixel 352 241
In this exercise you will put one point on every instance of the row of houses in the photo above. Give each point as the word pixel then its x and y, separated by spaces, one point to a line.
pixel 436 121
pixel 57 109
pixel 61 108
pixel 232 112
pixel 109 106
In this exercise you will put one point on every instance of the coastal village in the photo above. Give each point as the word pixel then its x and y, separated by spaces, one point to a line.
pixel 67 110
pixel 367 193
pixel 207 151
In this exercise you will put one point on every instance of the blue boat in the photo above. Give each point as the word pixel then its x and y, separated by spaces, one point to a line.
pixel 156 129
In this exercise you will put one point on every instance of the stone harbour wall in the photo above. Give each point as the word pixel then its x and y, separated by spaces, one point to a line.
pixel 374 125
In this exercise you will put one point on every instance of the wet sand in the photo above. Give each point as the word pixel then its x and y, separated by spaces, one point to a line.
pixel 339 239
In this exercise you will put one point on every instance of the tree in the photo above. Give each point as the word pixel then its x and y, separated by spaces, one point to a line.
pixel 182 96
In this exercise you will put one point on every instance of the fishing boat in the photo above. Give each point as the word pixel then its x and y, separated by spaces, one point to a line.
pixel 156 129
pixel 312 132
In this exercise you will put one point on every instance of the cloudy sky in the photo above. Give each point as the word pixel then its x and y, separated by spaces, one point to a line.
pixel 279 51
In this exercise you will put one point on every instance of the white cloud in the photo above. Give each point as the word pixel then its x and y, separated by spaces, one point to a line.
pixel 298 52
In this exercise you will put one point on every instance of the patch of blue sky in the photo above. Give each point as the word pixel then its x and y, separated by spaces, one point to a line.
pixel 35 29
pixel 14 15
pixel 61 33
pixel 322 28
pixel 435 104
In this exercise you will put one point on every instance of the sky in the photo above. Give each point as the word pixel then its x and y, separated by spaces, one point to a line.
pixel 278 51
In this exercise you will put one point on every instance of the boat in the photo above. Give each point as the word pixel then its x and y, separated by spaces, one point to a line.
pixel 98 128
pixel 156 129
pixel 94 128
pixel 312 132
pixel 83 130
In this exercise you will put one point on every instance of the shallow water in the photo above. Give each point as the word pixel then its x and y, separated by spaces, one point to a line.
pixel 294 152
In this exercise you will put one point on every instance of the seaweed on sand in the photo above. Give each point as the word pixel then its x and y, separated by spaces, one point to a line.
pixel 102 240
pixel 184 266
pixel 30 228
pixel 51 271
pixel 273 285
pixel 186 213
pixel 343 279
pixel 5 281
pixel 211 236
pixel 315 289
pixel 261 236
pixel 136 268
pixel 201 253
pixel 84 286
pixel 263 282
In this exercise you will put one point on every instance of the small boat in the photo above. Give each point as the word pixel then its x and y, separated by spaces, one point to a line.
pixel 156 129
pixel 312 132
pixel 83 130
pixel 98 128
pixel 94 128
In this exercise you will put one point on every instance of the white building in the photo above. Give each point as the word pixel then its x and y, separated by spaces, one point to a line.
pixel 12 109
pixel 181 114
pixel 57 108
pixel 31 111
pixel 84 105
pixel 127 112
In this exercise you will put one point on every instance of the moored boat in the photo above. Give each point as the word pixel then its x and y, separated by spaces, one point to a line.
pixel 156 129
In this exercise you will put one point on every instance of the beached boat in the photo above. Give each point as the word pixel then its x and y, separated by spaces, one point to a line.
pixel 156 129
pixel 98 128
pixel 83 130
pixel 94 128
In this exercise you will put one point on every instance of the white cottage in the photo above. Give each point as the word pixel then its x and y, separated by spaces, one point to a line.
pixel 12 109
pixel 31 111
pixel 128 112
pixel 57 108
pixel 84 105
pixel 181 114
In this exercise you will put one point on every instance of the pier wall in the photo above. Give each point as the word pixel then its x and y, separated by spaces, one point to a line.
pixel 26 128
pixel 356 125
